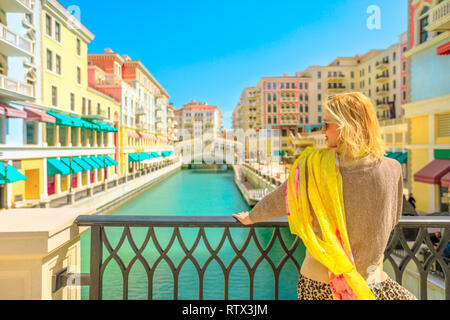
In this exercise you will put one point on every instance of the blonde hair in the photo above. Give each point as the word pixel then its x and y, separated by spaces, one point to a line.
pixel 359 129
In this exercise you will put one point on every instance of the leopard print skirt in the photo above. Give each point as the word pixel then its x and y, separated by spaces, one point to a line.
pixel 308 289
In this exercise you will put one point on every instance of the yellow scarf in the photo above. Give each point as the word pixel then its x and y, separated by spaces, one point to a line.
pixel 324 192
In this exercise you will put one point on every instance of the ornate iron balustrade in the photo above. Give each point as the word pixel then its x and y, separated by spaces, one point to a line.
pixel 99 259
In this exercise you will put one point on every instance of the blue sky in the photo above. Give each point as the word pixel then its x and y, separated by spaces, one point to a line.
pixel 209 50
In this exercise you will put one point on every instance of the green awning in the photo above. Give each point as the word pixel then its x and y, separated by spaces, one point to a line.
pixel 388 154
pixel 100 163
pixel 12 174
pixel 114 162
pixel 155 155
pixel 63 120
pixel 92 163
pixel 133 157
pixel 55 166
pixel 105 127
pixel 144 156
pixel 83 164
pixel 104 161
pixel 403 158
pixel 87 125
pixel 72 165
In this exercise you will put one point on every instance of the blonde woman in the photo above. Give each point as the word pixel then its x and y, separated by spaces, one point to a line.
pixel 371 187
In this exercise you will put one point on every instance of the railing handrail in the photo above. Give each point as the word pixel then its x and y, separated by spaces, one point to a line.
pixel 227 221
pixel 171 221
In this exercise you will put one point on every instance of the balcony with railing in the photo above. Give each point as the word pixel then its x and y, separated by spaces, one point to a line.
pixel 439 17
pixel 14 45
pixel 336 87
pixel 339 77
pixel 382 92
pixel 15 90
pixel 381 78
pixel 411 258
pixel 383 64
pixel 17 6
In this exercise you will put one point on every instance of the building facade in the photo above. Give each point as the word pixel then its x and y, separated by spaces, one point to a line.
pixel 428 107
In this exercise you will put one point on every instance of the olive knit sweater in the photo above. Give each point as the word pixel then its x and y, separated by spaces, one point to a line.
pixel 372 191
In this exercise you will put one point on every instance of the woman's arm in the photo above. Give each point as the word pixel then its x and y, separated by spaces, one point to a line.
pixel 271 206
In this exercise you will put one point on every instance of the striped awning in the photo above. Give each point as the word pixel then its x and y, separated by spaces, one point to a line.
pixel 433 172
pixel 11 112
pixel 63 120
pixel 114 162
pixel 55 166
pixel 91 162
pixel 38 115
pixel 133 134
pixel 73 166
pixel 443 49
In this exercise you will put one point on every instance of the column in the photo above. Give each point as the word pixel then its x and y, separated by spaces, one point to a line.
pixel 79 137
pixel 69 136
pixel 57 143
pixel 44 135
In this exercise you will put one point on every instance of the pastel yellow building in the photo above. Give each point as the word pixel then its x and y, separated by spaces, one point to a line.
pixel 428 107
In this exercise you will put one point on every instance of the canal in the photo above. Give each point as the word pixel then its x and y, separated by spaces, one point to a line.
pixel 194 193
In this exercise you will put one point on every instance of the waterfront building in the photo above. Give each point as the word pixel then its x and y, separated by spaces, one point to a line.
pixel 428 103
pixel 198 126
pixel 172 130
pixel 20 81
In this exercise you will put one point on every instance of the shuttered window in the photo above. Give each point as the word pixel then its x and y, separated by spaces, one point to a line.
pixel 443 125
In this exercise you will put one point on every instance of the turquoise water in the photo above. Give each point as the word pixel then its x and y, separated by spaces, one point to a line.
pixel 194 193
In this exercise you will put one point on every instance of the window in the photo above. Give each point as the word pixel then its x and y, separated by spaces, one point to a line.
pixel 99 108
pixel 394 70
pixel 306 108
pixel 404 66
pixel 54 96
pixel 83 106
pixel 301 96
pixel 58 64
pixel 78 47
pixel 274 86
pixel 282 85
pixel 31 132
pixel 301 108
pixel 274 120
pixel 319 85
pixel 306 86
pixel 352 74
pixel 78 75
pixel 72 102
pixel 268 86
pixel 394 55
pixel 48 25
pixel 269 97
pixel 394 84
pixel 269 109
pixel 319 119
pixel 306 119
pixel 49 60
pixel 319 97
pixel 89 107
pixel 404 81
pixel 404 95
pixel 352 85
pixel 423 34
pixel 300 86
pixel 269 120
pixel 275 108
pixel 57 31
pixel 109 112
pixel 319 108
pixel 319 74
pixel 274 97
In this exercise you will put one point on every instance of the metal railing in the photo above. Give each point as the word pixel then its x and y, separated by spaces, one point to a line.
pixel 100 258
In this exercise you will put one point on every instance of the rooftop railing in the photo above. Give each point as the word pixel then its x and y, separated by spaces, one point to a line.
pixel 407 241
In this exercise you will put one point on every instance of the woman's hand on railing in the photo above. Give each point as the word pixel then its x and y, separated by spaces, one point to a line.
pixel 244 218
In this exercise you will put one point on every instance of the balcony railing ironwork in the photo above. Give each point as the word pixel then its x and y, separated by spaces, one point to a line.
pixel 407 244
